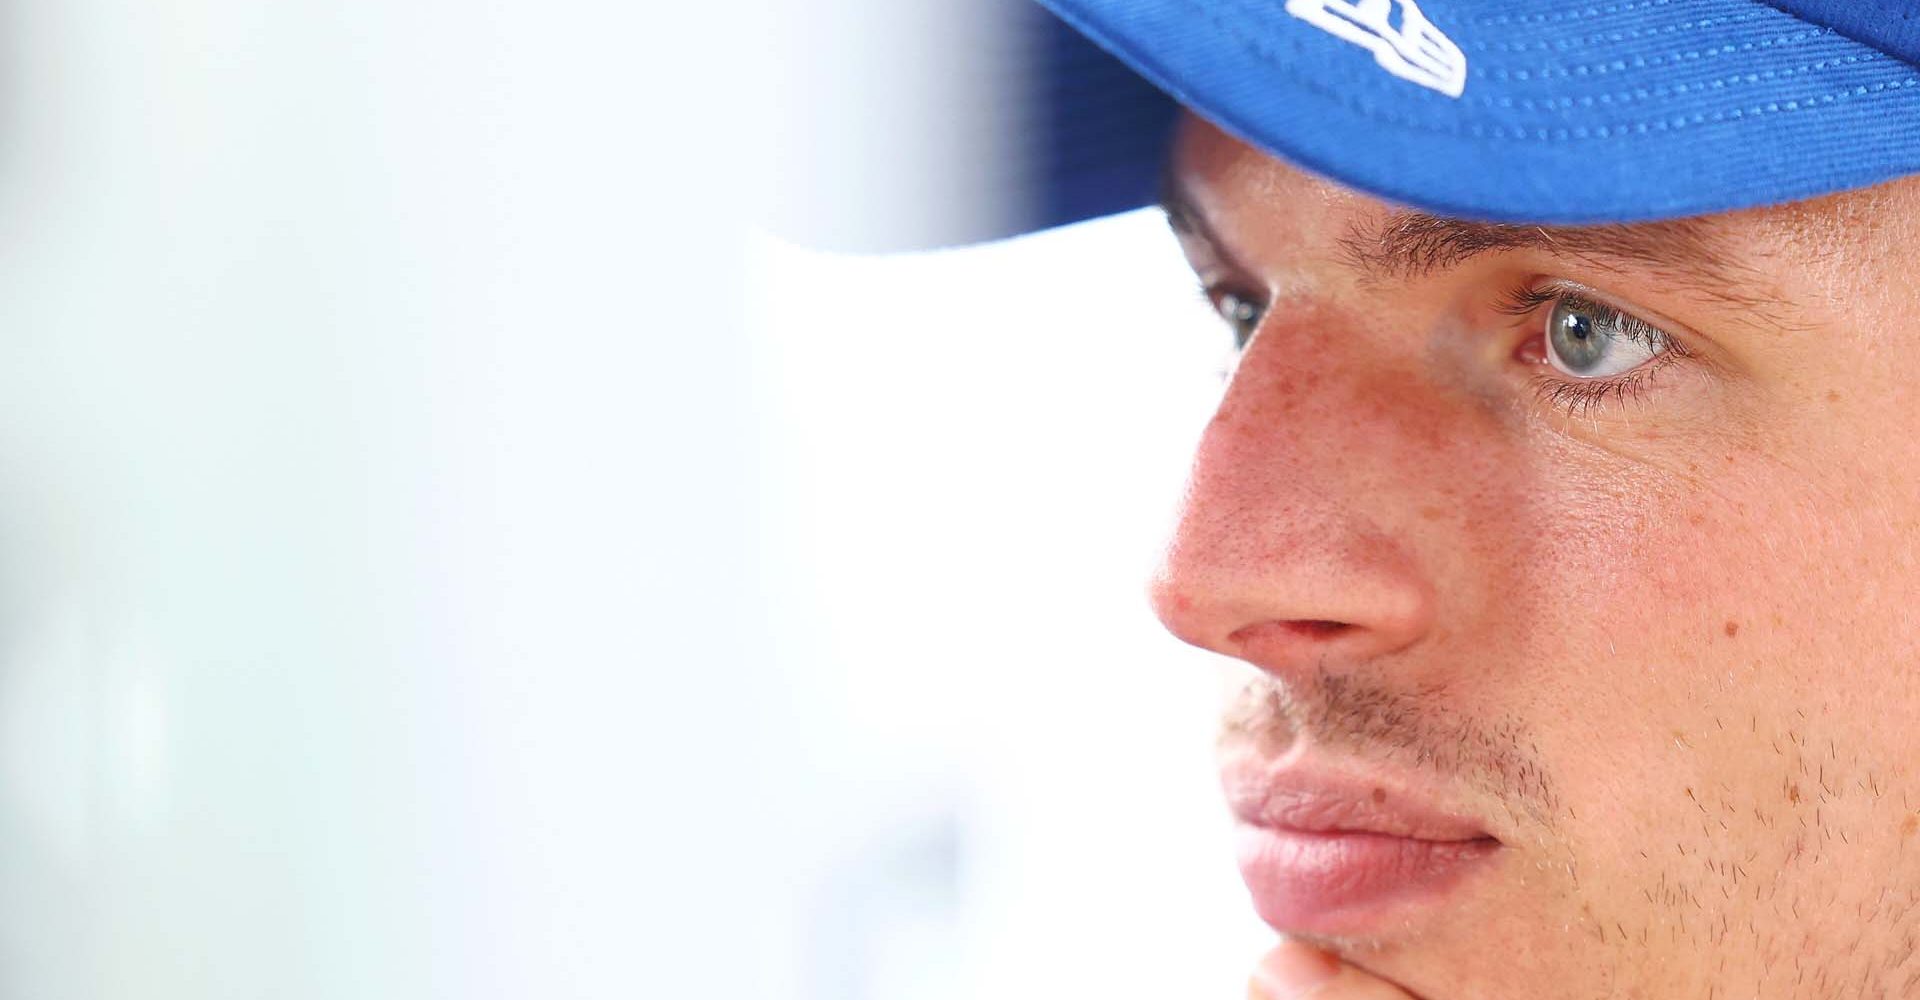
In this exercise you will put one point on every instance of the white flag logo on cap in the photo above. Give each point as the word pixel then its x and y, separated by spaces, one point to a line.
pixel 1415 51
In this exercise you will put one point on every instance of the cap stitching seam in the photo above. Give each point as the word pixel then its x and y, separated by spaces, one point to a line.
pixel 1622 35
pixel 1646 93
pixel 1570 15
pixel 1644 61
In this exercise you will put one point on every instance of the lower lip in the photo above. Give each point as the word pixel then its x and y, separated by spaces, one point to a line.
pixel 1346 882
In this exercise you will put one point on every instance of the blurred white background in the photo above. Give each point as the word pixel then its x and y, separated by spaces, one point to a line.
pixel 1006 777
pixel 446 553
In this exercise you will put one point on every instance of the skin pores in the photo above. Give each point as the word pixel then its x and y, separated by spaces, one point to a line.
pixel 1660 644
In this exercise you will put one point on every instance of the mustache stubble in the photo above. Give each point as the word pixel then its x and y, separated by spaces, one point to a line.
pixel 1422 727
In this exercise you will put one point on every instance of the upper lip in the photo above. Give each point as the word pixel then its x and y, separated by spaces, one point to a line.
pixel 1293 795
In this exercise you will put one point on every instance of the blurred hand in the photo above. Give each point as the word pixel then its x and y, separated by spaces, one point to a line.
pixel 1295 971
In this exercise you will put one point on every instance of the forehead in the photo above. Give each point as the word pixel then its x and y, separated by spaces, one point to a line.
pixel 1236 189
pixel 1251 199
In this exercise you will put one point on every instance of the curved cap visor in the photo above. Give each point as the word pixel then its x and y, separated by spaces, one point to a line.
pixel 1516 112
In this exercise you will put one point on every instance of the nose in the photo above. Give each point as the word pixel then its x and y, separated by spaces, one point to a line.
pixel 1296 548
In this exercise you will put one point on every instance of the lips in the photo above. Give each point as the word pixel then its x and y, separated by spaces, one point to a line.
pixel 1337 853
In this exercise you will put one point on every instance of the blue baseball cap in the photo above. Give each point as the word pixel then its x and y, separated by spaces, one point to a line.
pixel 1540 111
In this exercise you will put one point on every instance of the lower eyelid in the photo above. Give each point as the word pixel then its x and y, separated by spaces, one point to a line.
pixel 1580 397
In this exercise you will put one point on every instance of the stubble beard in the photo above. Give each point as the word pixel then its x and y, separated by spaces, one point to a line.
pixel 1755 895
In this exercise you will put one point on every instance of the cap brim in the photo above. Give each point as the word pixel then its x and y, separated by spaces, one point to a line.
pixel 1562 115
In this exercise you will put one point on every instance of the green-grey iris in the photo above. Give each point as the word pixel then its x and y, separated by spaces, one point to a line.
pixel 1588 340
pixel 1242 315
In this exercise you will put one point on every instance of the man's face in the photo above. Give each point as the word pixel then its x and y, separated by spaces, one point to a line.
pixel 1580 567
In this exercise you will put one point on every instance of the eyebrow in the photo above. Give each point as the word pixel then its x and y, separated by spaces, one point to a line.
pixel 1691 254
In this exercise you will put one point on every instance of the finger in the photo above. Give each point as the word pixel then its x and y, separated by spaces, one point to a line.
pixel 1294 971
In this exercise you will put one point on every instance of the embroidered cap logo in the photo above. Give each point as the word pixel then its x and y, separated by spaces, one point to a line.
pixel 1416 51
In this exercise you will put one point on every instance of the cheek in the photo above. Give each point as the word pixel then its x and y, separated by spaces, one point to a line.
pixel 1662 613
pixel 1722 679
pixel 1652 596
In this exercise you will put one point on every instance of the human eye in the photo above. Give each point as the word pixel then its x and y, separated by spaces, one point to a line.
pixel 1587 353
pixel 1241 311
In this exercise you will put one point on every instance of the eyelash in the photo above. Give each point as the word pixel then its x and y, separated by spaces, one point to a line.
pixel 1578 397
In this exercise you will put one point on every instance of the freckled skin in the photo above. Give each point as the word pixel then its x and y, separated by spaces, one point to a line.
pixel 1666 649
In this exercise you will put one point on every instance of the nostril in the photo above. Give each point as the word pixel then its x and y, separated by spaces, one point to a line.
pixel 1318 629
pixel 1294 633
